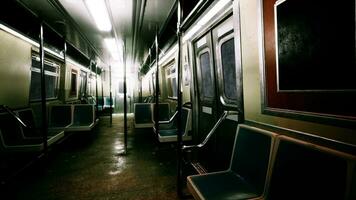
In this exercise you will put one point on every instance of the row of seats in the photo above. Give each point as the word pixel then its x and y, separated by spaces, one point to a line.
pixel 168 130
pixel 104 103
pixel 267 165
pixel 19 131
pixel 72 117
pixel 145 116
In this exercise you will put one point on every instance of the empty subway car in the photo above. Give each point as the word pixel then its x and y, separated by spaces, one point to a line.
pixel 177 99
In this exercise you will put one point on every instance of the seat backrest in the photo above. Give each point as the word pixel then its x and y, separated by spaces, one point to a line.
pixel 26 115
pixel 83 115
pixel 186 117
pixel 163 112
pixel 143 113
pixel 107 102
pixel 60 115
pixel 306 171
pixel 251 155
pixel 100 101
pixel 10 129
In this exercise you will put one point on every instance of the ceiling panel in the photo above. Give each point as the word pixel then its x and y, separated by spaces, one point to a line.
pixel 134 22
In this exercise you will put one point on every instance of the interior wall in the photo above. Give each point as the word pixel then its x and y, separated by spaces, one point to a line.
pixel 250 42
pixel 15 65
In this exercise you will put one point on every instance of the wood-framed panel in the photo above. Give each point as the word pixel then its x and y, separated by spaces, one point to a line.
pixel 308 60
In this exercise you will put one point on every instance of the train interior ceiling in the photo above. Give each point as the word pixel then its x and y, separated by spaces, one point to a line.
pixel 177 99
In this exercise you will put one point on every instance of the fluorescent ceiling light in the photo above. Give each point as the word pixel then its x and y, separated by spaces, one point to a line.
pixel 99 12
pixel 206 18
pixel 114 48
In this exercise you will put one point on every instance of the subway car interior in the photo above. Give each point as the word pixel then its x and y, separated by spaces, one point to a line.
pixel 177 99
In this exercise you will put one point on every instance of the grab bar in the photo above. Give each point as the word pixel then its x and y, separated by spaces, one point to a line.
pixel 170 120
pixel 212 131
pixel 8 110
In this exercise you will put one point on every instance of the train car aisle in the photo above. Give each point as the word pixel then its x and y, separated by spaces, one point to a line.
pixel 91 168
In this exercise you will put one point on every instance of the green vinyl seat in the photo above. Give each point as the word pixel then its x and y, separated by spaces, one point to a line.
pixel 247 174
pixel 168 130
pixel 60 116
pixel 16 138
pixel 83 118
pixel 308 171
pixel 143 115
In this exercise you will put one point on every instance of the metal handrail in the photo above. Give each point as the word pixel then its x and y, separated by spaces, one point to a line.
pixel 212 131
pixel 8 110
pixel 170 120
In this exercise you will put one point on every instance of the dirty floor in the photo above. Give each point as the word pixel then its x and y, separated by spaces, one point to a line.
pixel 92 166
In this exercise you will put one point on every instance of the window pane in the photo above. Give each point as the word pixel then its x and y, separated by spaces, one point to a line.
pixel 169 82
pixel 174 87
pixel 83 84
pixel 73 83
pixel 51 79
pixel 50 68
pixel 51 86
pixel 121 86
pixel 207 83
pixel 171 78
pixel 228 68
pixel 50 83
pixel 35 91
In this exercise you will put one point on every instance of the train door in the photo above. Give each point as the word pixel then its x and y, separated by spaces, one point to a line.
pixel 217 92
pixel 204 68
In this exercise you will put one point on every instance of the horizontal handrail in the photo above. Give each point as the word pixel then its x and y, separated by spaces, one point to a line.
pixel 8 110
pixel 86 98
pixel 170 120
pixel 212 131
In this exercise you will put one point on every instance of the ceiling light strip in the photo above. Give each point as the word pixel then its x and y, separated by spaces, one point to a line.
pixel 99 12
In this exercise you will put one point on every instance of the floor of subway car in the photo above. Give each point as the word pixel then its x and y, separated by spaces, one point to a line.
pixel 91 167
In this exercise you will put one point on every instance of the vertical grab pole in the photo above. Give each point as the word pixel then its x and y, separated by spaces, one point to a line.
pixel 43 93
pixel 140 94
pixel 179 106
pixel 96 90
pixel 157 87
pixel 62 93
pixel 125 101
pixel 102 85
pixel 110 96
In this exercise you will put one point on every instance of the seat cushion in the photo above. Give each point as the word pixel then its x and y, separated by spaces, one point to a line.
pixel 221 185
pixel 168 132
pixel 167 126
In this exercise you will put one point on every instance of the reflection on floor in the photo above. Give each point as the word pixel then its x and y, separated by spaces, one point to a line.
pixel 90 166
